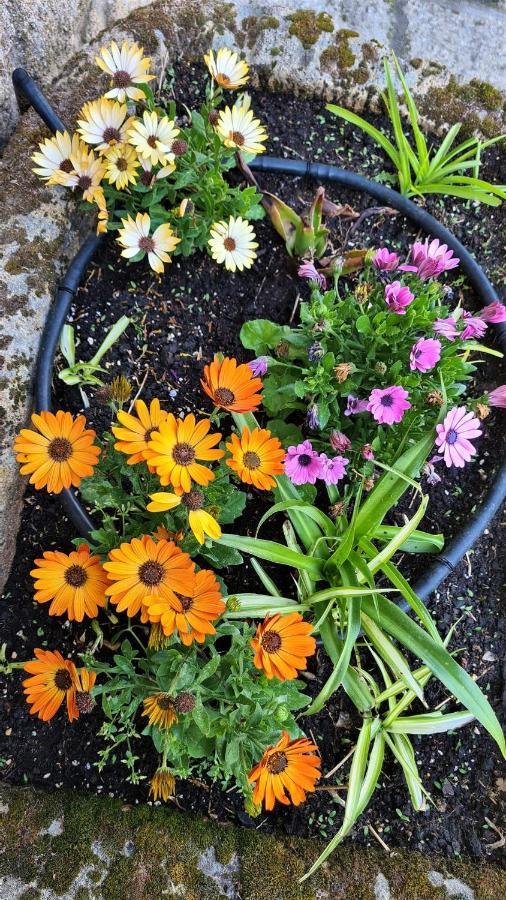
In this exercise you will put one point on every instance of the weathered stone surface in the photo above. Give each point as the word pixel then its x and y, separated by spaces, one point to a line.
pixel 68 847
pixel 304 47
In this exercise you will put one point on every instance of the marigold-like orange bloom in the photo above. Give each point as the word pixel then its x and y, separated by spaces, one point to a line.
pixel 75 582
pixel 231 385
pixel 145 568
pixel 282 645
pixel 53 680
pixel 59 454
pixel 177 446
pixel 135 433
pixel 256 457
pixel 160 709
pixel 287 772
pixel 194 612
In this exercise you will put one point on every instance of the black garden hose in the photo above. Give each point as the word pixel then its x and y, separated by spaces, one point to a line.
pixel 496 494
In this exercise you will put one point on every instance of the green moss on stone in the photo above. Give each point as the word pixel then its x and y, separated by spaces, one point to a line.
pixel 307 26
pixel 252 27
pixel 476 104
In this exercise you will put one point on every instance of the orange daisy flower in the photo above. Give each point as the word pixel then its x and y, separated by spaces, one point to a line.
pixel 194 612
pixel 135 433
pixel 53 679
pixel 59 454
pixel 75 583
pixel 256 457
pixel 160 709
pixel 177 445
pixel 232 386
pixel 146 568
pixel 282 645
pixel 289 768
pixel 85 682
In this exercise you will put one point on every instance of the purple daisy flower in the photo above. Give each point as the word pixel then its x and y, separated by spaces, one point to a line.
pixel 302 464
pixel 397 297
pixel 332 470
pixel 473 327
pixel 308 270
pixel 494 312
pixel 497 397
pixel 259 366
pixel 446 328
pixel 385 261
pixel 388 405
pixel 454 436
pixel 424 355
pixel 355 406
pixel 339 441
pixel 431 258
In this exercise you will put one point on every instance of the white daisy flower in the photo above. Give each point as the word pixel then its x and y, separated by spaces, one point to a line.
pixel 153 138
pixel 135 238
pixel 127 67
pixel 237 128
pixel 233 243
pixel 53 161
pixel 104 123
pixel 226 68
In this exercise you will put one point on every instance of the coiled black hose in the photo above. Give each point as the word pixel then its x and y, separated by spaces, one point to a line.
pixel 463 541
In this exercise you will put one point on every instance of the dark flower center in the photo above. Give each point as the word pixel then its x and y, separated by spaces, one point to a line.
pixel 304 459
pixel 121 79
pixel 229 244
pixel 186 603
pixel 452 436
pixel 251 460
pixel 111 134
pixel 277 763
pixel 271 641
pixel 238 138
pixel 193 500
pixel 148 433
pixel 183 454
pixel 164 702
pixel 152 141
pixel 60 449
pixel 387 400
pixel 224 396
pixel 224 78
pixel 121 164
pixel 147 244
pixel 66 165
pixel 63 680
pixel 76 576
pixel 84 182
pixel 151 573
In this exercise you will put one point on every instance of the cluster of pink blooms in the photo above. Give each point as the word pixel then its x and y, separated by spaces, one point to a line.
pixel 427 260
pixel 465 327
pixel 304 465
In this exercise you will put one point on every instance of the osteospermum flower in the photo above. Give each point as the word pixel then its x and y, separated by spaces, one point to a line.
pixel 308 270
pixel 193 612
pixel 177 447
pixel 287 772
pixel 424 355
pixel 135 432
pixel 59 453
pixel 233 243
pixel 121 164
pixel 497 397
pixel 446 328
pixel 398 297
pixel 232 385
pixel 87 173
pixel 135 238
pixel 201 522
pixel 239 130
pixel 153 137
pixel 127 67
pixel 474 327
pixel 302 464
pixel 494 312
pixel 388 405
pixel 430 259
pixel 332 469
pixel 259 365
pixel 385 261
pixel 104 123
pixel 53 680
pixel 74 582
pixel 454 436
pixel 282 645
pixel 53 161
pixel 256 457
pixel 226 68
pixel 160 710
pixel 145 568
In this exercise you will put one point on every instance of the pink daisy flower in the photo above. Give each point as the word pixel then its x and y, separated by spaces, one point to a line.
pixel 302 464
pixel 308 270
pixel 397 297
pixel 430 259
pixel 332 470
pixel 424 355
pixel 454 436
pixel 388 405
pixel 497 397
pixel 473 327
pixel 494 312
pixel 446 328
pixel 385 261
pixel 339 441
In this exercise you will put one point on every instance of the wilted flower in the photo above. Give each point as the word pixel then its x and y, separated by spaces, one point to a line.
pixel 388 405
pixel 367 452
pixel 398 297
pixel 446 328
pixel 482 411
pixel 312 419
pixel 120 390
pixel 430 473
pixel 315 352
pixel 385 261
pixel 302 464
pixel 282 349
pixel 355 406
pixel 339 441
pixel 309 271
pixel 342 371
pixel 454 436
pixel 163 784
pixel 497 397
pixel 259 366
pixel 424 355
pixel 494 312
pixel 362 292
pixel 332 470
pixel 435 398
pixel 184 702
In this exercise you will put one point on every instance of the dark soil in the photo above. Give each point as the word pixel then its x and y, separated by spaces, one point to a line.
pixel 179 321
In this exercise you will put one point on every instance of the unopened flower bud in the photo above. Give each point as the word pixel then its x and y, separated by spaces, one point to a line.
pixel 184 702
pixel 339 441
pixel 233 604
pixel 367 452
pixel 315 352
pixel 380 368
pixel 179 147
pixel 213 117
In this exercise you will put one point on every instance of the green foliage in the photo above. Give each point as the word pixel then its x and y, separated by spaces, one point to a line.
pixel 420 169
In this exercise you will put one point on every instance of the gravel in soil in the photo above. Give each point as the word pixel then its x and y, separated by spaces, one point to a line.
pixel 179 321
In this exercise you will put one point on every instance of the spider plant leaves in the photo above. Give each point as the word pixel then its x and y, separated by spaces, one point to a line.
pixel 246 606
pixel 417 542
pixel 431 723
pixel 325 523
pixel 273 552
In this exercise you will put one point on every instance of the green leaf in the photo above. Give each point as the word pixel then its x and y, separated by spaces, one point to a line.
pixel 273 552
pixel 430 723
pixel 262 335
